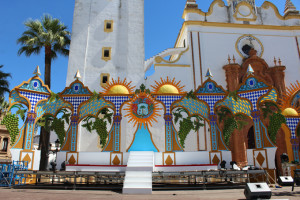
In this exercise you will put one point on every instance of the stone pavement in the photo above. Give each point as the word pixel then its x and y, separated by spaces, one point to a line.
pixel 41 194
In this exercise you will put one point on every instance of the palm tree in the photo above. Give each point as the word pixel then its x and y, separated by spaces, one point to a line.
pixel 4 84
pixel 52 35
pixel 4 105
pixel 48 33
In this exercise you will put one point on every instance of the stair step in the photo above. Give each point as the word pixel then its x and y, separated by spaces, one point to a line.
pixel 138 180
pixel 139 174
pixel 137 185
pixel 141 153
pixel 139 168
pixel 141 158
pixel 141 162
pixel 144 157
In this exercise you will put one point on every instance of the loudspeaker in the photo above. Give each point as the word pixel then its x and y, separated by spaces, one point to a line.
pixel 285 181
pixel 257 190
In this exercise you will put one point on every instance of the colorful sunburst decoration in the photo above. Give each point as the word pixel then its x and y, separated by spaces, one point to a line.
pixel 167 86
pixel 142 109
pixel 286 101
pixel 118 87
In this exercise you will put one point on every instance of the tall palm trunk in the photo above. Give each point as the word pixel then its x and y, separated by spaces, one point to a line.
pixel 45 135
pixel 48 58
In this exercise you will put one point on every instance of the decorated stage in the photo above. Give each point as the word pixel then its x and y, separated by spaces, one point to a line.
pixel 181 131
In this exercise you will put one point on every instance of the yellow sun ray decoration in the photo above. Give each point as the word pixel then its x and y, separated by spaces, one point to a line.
pixel 118 87
pixel 142 109
pixel 167 86
pixel 286 100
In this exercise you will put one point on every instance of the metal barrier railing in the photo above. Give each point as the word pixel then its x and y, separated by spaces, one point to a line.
pixel 8 177
pixel 87 179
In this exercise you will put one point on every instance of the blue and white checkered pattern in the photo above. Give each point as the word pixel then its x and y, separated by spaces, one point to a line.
pixel 292 123
pixel 168 101
pixel 33 98
pixel 117 101
pixel 76 101
pixel 253 96
pixel 211 100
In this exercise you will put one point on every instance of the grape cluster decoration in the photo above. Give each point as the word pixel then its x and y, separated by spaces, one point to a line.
pixel 271 110
pixel 11 121
pixel 276 120
pixel 99 124
pixel 55 124
pixel 187 124
pixel 58 126
pixel 231 122
pixel 230 125
pixel 100 127
pixel 185 127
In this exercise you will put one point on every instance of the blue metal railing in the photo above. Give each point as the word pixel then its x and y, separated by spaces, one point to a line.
pixel 8 176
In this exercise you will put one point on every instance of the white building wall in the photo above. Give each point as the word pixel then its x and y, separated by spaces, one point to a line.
pixel 126 41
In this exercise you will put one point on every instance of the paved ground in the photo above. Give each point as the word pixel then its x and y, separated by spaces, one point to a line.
pixel 40 194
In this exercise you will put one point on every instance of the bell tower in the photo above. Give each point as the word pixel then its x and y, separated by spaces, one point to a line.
pixel 107 42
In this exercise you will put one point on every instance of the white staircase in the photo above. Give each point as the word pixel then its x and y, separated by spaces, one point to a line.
pixel 138 176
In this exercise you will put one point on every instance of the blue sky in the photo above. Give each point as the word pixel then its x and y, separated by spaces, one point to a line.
pixel 162 24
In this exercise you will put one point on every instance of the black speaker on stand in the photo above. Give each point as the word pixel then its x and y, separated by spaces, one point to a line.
pixel 285 181
pixel 257 190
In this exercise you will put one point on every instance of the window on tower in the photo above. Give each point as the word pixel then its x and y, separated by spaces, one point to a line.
pixel 108 26
pixel 106 53
pixel 104 79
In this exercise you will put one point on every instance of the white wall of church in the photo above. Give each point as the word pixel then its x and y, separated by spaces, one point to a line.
pixel 216 43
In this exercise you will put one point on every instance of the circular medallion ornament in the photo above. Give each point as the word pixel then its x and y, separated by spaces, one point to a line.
pixel 210 87
pixel 251 82
pixel 35 84
pixel 76 87
pixel 142 109
pixel 245 43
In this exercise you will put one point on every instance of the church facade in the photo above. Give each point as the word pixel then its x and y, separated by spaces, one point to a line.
pixel 226 82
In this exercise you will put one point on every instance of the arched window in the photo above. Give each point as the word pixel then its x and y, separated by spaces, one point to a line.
pixel 5 144
pixel 251 138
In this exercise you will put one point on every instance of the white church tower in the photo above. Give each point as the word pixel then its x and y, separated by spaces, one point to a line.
pixel 107 42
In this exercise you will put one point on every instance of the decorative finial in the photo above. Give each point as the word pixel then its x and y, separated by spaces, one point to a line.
pixel 279 61
pixel 250 70
pixel 290 8
pixel 233 58
pixel 229 59
pixel 208 74
pixel 275 61
pixel 37 71
pixel 77 75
